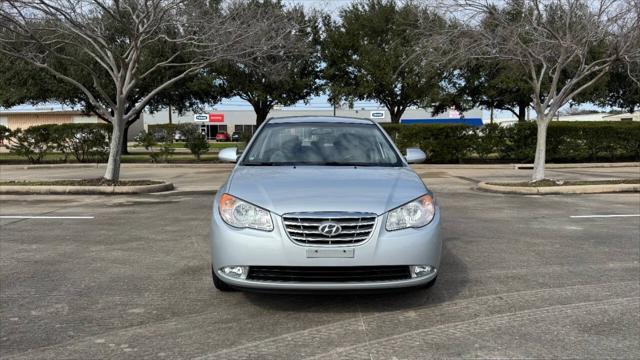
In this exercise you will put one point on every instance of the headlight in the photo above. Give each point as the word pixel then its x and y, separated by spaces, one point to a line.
pixel 414 214
pixel 241 214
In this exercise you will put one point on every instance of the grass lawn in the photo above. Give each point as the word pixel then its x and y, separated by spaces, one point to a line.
pixel 8 158
pixel 212 145
pixel 83 182
pixel 549 182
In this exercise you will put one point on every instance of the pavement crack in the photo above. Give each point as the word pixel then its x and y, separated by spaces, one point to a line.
pixel 364 328
pixel 467 179
pixel 528 298
pixel 485 323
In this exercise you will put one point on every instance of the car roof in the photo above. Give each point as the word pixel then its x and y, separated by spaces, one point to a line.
pixel 318 119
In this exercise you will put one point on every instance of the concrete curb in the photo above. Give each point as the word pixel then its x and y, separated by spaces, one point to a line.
pixel 548 190
pixel 84 190
pixel 104 165
pixel 178 192
pixel 579 165
pixel 510 166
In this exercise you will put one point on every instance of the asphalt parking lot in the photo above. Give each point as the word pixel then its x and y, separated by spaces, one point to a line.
pixel 522 276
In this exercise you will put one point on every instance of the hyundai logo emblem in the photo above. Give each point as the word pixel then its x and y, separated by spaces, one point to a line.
pixel 330 228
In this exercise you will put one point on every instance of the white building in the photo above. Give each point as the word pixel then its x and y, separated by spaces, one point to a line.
pixel 25 118
pixel 230 121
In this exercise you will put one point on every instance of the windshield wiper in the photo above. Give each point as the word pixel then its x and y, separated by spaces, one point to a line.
pixel 263 163
pixel 319 163
pixel 268 163
pixel 337 163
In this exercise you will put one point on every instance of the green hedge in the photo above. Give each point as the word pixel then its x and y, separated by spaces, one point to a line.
pixel 85 142
pixel 566 141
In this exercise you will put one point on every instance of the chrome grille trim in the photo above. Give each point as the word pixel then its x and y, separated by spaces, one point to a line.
pixel 332 240
pixel 318 232
pixel 302 228
pixel 342 224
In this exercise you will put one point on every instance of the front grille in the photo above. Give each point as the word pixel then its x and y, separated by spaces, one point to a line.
pixel 328 273
pixel 303 228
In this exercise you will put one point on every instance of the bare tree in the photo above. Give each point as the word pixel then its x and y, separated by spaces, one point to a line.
pixel 109 38
pixel 564 46
pixel 281 79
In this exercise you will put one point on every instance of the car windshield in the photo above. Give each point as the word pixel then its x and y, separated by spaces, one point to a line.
pixel 333 144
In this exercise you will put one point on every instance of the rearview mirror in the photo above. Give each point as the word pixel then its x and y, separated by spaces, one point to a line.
pixel 415 156
pixel 228 154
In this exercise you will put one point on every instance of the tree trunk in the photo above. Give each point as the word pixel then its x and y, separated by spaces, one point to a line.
pixel 262 109
pixel 541 148
pixel 125 135
pixel 395 114
pixel 113 166
pixel 261 116
pixel 522 112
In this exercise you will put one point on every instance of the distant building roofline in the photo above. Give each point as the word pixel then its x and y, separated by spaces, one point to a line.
pixel 44 112
pixel 634 114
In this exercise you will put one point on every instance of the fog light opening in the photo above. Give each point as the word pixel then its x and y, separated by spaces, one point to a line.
pixel 238 272
pixel 422 270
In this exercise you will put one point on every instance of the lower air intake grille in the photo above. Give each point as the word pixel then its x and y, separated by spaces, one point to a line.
pixel 328 273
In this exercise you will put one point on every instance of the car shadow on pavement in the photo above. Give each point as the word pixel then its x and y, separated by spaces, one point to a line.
pixel 445 289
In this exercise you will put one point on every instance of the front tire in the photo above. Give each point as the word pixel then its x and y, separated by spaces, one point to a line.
pixel 219 284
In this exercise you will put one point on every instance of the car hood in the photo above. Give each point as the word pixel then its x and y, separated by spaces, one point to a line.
pixel 285 189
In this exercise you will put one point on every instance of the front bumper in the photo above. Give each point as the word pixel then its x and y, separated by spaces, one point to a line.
pixel 247 247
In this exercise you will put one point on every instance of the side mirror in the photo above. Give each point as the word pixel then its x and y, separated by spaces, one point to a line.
pixel 415 156
pixel 228 154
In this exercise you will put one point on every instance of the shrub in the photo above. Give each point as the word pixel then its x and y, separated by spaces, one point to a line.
pixel 245 137
pixel 33 143
pixel 487 140
pixel 188 129
pixel 629 139
pixel 442 143
pixel 163 153
pixel 5 134
pixel 149 141
pixel 519 142
pixel 566 141
pixel 198 145
pixel 86 142
pixel 146 139
pixel 165 132
pixel 593 141
pixel 196 141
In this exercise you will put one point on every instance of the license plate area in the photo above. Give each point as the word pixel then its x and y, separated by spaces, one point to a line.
pixel 330 253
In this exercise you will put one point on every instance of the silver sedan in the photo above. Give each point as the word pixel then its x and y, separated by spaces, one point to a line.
pixel 324 203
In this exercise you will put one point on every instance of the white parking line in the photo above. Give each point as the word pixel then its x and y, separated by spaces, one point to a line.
pixel 604 216
pixel 44 217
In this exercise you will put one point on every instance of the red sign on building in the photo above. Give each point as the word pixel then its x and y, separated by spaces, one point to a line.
pixel 216 118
